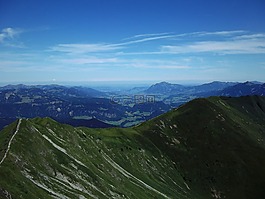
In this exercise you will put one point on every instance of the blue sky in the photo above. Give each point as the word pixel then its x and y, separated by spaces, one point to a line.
pixel 131 40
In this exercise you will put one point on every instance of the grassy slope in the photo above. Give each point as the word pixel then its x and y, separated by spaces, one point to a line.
pixel 90 165
pixel 206 148
pixel 220 147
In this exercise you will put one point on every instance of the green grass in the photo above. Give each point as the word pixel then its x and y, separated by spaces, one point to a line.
pixel 205 147
pixel 219 144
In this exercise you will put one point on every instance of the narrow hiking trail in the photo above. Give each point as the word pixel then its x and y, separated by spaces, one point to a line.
pixel 10 141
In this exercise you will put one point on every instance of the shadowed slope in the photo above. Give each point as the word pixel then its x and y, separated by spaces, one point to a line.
pixel 217 145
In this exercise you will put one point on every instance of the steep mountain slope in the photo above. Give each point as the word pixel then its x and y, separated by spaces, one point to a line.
pixel 217 145
pixel 50 160
pixel 207 148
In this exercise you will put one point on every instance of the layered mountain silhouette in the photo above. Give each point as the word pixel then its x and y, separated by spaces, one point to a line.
pixel 173 89
pixel 165 88
pixel 74 105
pixel 242 89
pixel 208 148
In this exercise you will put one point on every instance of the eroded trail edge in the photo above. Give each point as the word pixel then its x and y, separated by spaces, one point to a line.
pixel 10 141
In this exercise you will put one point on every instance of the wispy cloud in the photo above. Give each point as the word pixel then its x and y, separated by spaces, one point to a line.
pixel 8 36
pixel 100 47
pixel 81 61
pixel 161 52
pixel 164 55
pixel 90 48
pixel 224 42
pixel 154 64
pixel 251 45
pixel 7 33
pixel 220 33
pixel 147 39
pixel 148 35
pixel 166 51
pixel 219 42
pixel 251 36
pixel 154 36
pixel 84 48
pixel 89 60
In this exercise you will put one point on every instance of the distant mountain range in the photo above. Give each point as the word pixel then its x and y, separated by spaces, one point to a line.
pixel 173 89
pixel 78 105
pixel 165 88
pixel 243 89
pixel 175 94
pixel 75 106
pixel 207 148
pixel 55 90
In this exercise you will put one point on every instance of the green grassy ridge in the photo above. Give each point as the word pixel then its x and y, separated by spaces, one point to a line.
pixel 220 146
pixel 5 136
pixel 35 156
pixel 205 149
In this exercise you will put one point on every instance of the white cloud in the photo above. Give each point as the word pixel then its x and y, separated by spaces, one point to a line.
pixel 154 64
pixel 224 42
pixel 220 33
pixel 8 34
pixel 101 47
pixel 82 61
pixel 233 46
pixel 156 36
pixel 84 48
pixel 90 48
pixel 251 36
pixel 105 56
pixel 183 36
pixel 148 35
pixel 147 39
pixel 157 66
pixel 89 60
